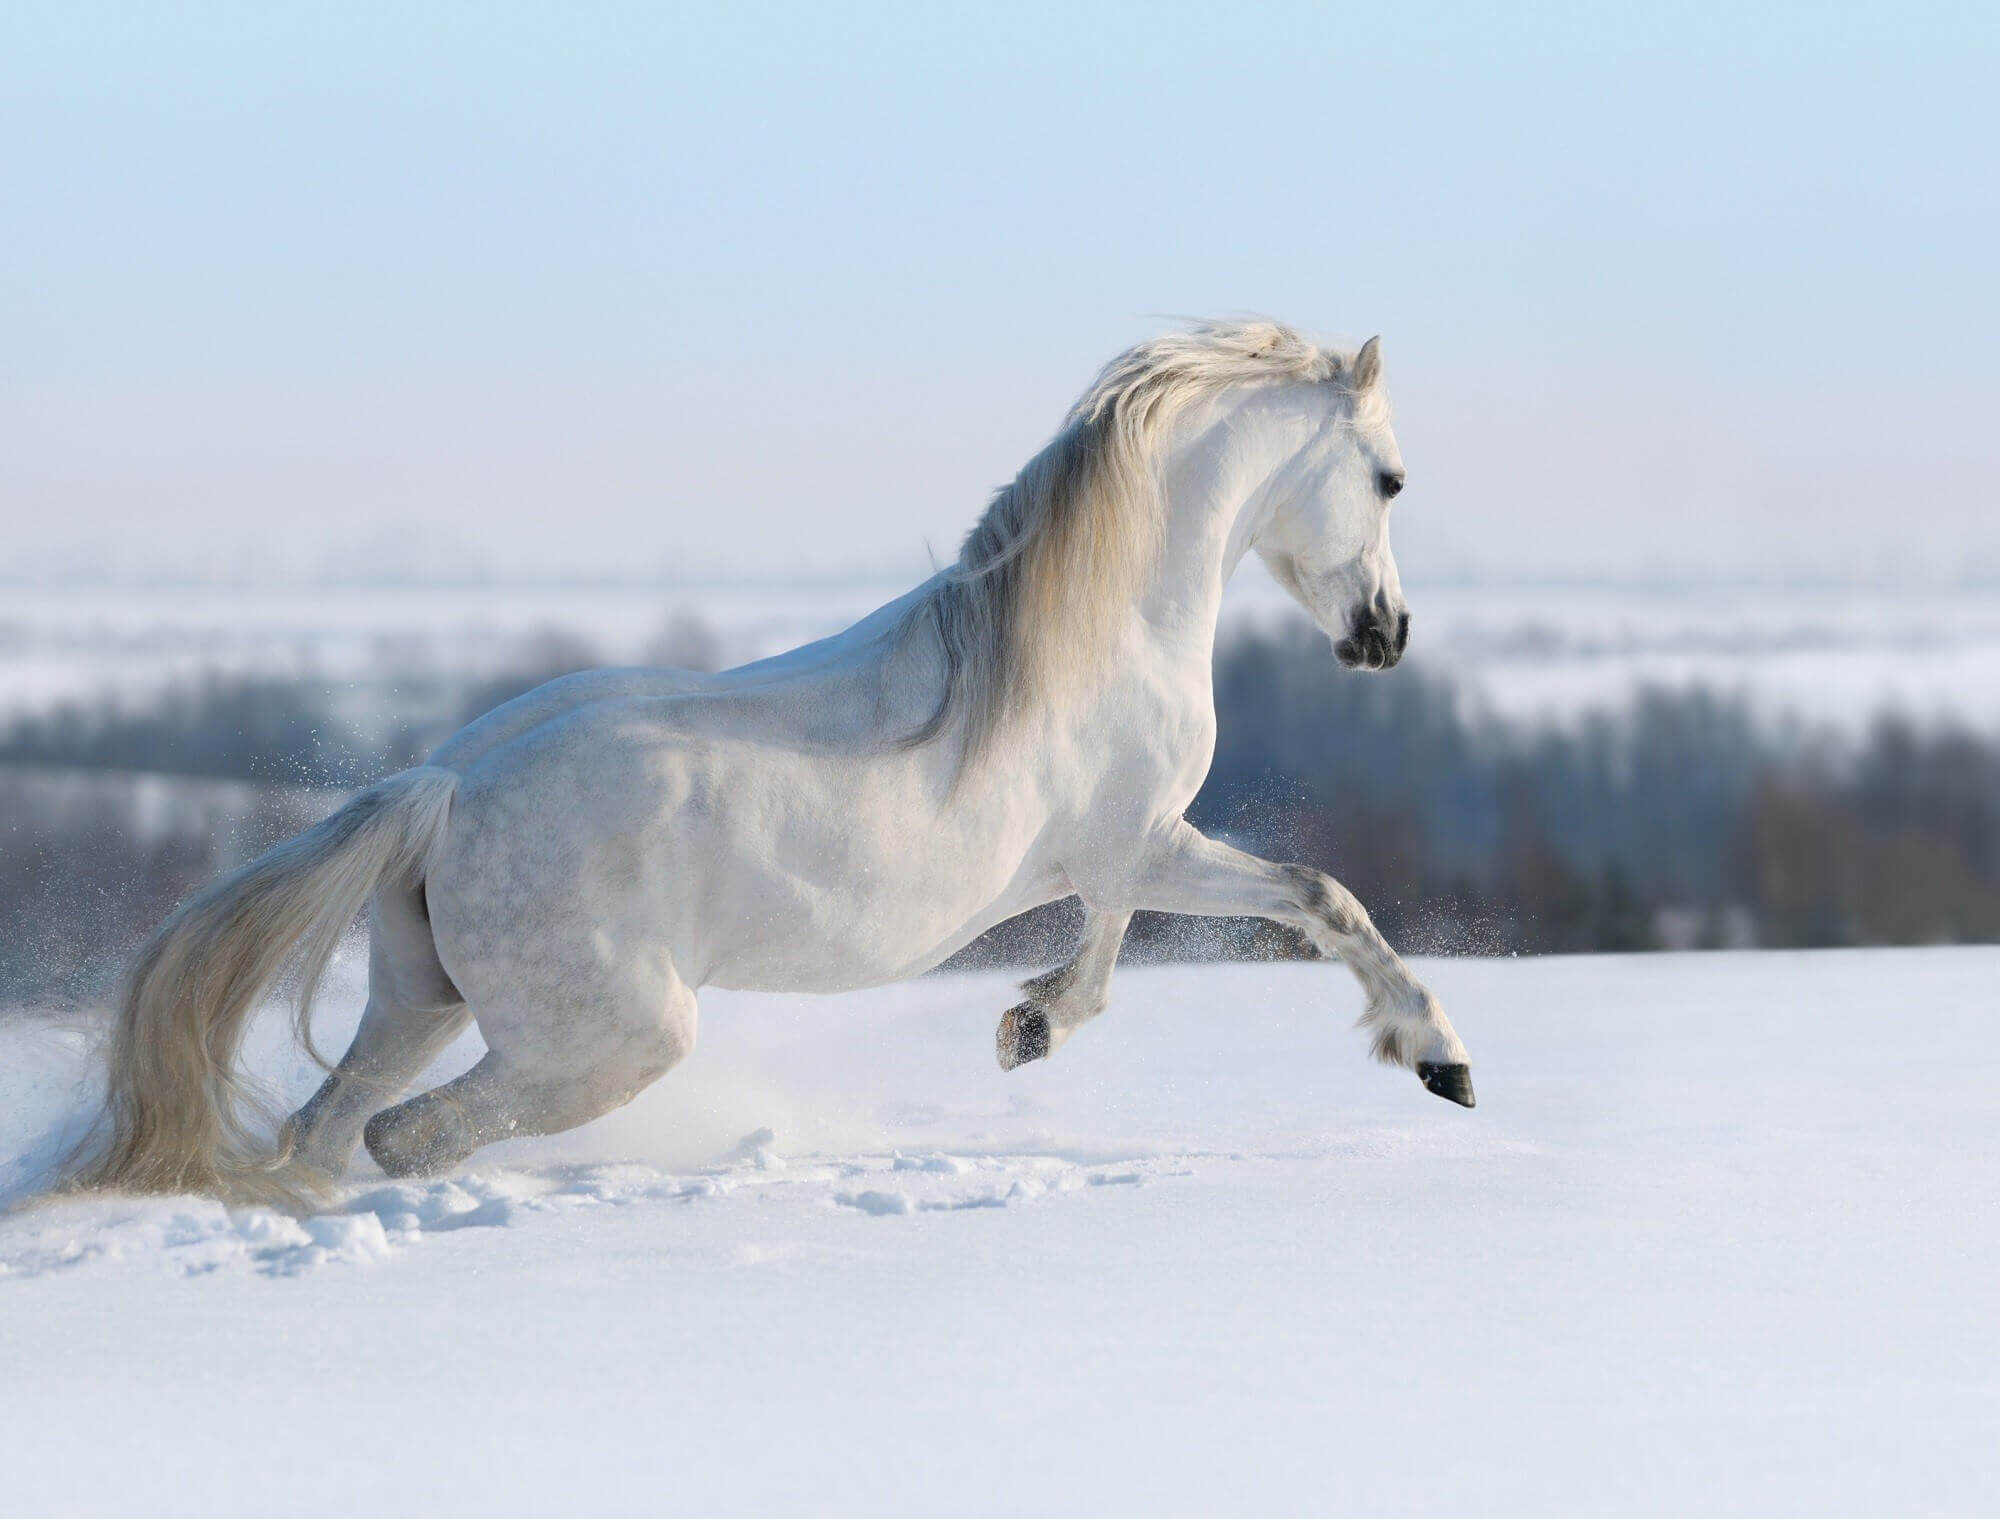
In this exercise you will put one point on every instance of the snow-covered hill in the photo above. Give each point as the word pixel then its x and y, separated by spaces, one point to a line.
pixel 1718 1240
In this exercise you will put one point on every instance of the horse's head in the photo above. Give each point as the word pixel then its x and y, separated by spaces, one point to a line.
pixel 1326 538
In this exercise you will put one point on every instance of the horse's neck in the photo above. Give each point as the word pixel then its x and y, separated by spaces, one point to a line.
pixel 1217 477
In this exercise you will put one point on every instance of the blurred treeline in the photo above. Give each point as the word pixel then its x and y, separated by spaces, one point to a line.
pixel 1678 820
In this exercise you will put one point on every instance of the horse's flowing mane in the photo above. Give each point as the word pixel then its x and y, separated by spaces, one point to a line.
pixel 1066 546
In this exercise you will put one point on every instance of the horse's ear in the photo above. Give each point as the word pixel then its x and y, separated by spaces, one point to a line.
pixel 1367 365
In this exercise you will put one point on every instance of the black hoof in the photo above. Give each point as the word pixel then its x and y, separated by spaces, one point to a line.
pixel 1452 1082
pixel 1024 1036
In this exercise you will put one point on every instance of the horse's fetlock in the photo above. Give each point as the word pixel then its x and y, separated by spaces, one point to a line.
pixel 1051 986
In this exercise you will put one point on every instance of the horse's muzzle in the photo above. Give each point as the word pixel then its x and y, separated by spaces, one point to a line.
pixel 1375 639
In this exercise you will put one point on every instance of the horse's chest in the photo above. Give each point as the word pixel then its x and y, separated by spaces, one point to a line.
pixel 1152 752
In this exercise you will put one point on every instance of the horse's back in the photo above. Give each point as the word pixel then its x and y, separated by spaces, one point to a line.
pixel 557 699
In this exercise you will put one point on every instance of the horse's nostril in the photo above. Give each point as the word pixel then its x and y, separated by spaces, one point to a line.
pixel 1402 632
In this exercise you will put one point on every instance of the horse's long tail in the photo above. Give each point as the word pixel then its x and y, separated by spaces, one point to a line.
pixel 175 1099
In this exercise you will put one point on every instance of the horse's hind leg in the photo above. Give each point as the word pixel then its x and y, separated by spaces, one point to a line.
pixel 413 1012
pixel 541 1074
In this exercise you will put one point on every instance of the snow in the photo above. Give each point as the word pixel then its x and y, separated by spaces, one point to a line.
pixel 1719 1239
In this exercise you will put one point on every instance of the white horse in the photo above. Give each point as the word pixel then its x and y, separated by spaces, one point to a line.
pixel 571 868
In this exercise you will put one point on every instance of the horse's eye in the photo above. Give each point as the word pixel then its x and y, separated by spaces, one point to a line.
pixel 1388 482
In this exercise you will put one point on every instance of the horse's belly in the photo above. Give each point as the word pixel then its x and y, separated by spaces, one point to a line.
pixel 867 939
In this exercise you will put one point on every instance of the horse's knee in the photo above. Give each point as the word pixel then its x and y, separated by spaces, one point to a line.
pixel 1322 901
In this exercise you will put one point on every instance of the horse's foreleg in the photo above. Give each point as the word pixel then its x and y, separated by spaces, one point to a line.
pixel 1193 874
pixel 1061 999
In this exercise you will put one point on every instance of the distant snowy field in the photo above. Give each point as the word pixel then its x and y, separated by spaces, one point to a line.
pixel 1533 653
pixel 1719 1239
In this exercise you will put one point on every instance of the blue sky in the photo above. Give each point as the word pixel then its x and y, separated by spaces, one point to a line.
pixel 594 290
